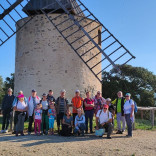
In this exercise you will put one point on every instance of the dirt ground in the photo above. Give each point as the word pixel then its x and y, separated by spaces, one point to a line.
pixel 143 143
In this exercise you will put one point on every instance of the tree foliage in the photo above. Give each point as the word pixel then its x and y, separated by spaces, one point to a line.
pixel 136 80
pixel 9 83
pixel 1 89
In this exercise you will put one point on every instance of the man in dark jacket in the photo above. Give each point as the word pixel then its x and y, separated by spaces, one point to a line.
pixel 7 109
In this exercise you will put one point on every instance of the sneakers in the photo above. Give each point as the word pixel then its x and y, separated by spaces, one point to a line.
pixel 119 132
pixel 2 131
pixel 128 136
pixel 5 131
pixel 22 134
pixel 109 137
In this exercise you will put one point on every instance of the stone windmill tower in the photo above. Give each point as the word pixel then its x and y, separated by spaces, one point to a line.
pixel 61 44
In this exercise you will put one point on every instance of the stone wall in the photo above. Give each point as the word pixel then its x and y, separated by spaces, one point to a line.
pixel 44 60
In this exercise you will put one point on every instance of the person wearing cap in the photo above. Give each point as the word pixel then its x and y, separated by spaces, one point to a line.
pixel 13 105
pixel 119 103
pixel 89 111
pixel 104 120
pixel 50 97
pixel 33 100
pixel 45 118
pixel 7 110
pixel 61 108
pixel 99 101
pixel 76 104
pixel 20 110
pixel 129 113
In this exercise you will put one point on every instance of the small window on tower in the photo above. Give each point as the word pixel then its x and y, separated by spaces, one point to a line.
pixel 99 37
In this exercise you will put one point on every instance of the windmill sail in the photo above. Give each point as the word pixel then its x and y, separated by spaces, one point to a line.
pixel 110 49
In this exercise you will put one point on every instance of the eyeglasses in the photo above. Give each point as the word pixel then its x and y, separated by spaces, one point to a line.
pixel 126 96
pixel 105 108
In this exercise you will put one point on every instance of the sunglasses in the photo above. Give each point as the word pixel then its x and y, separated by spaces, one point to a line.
pixel 105 108
pixel 126 96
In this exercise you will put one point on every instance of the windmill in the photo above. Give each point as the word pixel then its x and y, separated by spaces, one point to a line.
pixel 59 44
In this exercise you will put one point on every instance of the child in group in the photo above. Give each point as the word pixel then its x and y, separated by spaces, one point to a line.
pixel 38 118
pixel 52 115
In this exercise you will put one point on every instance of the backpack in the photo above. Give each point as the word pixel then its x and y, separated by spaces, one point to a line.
pixel 135 106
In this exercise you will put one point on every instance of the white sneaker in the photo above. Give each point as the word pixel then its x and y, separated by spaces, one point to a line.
pixel 2 131
pixel 5 131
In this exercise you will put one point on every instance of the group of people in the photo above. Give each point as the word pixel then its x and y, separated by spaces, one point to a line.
pixel 43 112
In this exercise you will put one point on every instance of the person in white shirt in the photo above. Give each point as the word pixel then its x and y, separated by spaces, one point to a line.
pixel 20 110
pixel 32 103
pixel 129 113
pixel 104 120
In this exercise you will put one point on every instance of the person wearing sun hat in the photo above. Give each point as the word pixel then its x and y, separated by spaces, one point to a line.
pixel 104 120
pixel 129 113
pixel 20 110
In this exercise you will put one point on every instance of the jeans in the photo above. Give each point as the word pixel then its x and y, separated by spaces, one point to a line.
pixel 37 125
pixel 31 120
pixel 89 115
pixel 6 119
pixel 129 124
pixel 80 127
pixel 59 118
pixel 108 127
pixel 119 119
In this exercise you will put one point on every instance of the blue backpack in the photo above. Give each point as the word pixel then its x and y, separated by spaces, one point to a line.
pixel 135 107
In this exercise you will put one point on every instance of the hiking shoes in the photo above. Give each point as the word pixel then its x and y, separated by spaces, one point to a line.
pixel 109 137
pixel 119 132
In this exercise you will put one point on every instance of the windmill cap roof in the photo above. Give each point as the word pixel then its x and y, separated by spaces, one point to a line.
pixel 36 5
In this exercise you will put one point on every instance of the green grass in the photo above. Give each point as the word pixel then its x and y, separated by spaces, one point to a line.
pixel 139 124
